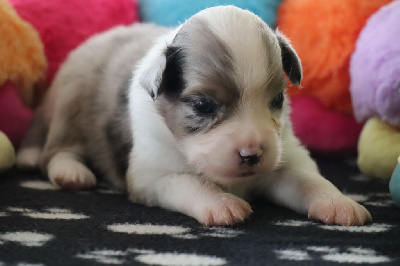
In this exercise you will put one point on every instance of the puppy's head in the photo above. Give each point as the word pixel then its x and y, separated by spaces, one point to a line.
pixel 222 93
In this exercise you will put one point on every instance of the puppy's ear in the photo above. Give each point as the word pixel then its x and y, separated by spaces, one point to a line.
pixel 160 69
pixel 151 75
pixel 290 61
pixel 172 79
pixel 164 73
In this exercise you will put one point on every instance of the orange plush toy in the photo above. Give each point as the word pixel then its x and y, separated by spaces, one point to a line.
pixel 22 71
pixel 324 34
pixel 23 62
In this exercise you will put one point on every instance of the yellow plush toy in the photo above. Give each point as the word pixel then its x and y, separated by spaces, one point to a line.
pixel 7 154
pixel 22 71
pixel 378 149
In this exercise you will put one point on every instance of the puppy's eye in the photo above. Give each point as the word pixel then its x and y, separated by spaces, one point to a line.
pixel 277 102
pixel 205 106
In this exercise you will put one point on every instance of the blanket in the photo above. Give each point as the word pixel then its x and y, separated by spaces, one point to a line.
pixel 41 225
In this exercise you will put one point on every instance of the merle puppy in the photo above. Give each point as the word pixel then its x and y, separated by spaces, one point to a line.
pixel 193 119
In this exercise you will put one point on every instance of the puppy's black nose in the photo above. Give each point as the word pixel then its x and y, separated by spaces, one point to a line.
pixel 250 160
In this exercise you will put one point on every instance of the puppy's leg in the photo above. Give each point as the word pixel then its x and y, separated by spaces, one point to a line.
pixel 190 195
pixel 309 192
pixel 300 187
pixel 63 157
pixel 31 148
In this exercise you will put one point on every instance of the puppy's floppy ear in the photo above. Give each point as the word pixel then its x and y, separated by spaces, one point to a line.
pixel 151 76
pixel 165 75
pixel 290 61
pixel 172 79
pixel 156 65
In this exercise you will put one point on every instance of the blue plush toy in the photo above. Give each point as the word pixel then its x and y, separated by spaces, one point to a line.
pixel 394 185
pixel 173 12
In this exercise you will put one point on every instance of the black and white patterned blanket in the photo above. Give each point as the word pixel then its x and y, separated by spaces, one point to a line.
pixel 40 225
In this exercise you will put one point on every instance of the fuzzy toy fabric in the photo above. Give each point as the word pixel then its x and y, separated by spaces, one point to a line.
pixel 63 25
pixel 323 130
pixel 375 67
pixel 21 51
pixel 378 148
pixel 325 48
pixel 14 116
pixel 324 35
pixel 173 12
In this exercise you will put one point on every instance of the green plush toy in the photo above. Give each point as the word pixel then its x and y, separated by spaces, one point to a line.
pixel 394 184
pixel 7 153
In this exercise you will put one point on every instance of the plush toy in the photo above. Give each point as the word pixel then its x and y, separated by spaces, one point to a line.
pixel 323 130
pixel 7 153
pixel 14 116
pixel 22 71
pixel 375 90
pixel 21 51
pixel 394 185
pixel 324 34
pixel 375 67
pixel 173 12
pixel 378 148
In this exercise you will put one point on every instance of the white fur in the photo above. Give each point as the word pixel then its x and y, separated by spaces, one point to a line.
pixel 155 139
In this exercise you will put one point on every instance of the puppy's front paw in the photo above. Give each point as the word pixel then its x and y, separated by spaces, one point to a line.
pixel 225 209
pixel 339 210
pixel 70 174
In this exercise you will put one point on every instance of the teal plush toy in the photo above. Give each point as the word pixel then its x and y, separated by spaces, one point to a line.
pixel 174 12
pixel 394 185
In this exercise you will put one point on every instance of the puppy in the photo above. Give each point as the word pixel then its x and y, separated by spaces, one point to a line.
pixel 201 126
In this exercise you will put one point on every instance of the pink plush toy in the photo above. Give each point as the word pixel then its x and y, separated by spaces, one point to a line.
pixel 14 116
pixel 324 131
pixel 63 25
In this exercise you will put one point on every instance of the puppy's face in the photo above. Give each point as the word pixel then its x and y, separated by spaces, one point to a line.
pixel 222 93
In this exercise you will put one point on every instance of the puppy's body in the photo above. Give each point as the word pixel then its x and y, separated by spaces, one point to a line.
pixel 203 124
pixel 85 111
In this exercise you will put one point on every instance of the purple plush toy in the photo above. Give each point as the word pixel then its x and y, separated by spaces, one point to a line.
pixel 375 91
pixel 375 67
